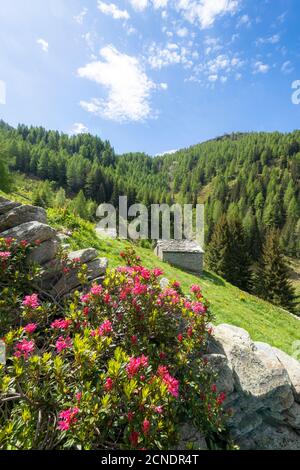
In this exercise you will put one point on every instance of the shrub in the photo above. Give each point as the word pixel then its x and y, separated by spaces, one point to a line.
pixel 117 366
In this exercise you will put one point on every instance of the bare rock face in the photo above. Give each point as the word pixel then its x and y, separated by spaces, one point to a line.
pixel 69 282
pixel 20 215
pixel 45 252
pixel 6 205
pixel 84 256
pixel 262 386
pixel 30 231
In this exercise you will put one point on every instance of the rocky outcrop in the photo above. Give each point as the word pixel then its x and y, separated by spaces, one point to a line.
pixel 262 388
pixel 25 222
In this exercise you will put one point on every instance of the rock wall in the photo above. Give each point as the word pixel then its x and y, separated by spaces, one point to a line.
pixel 262 385
pixel 25 222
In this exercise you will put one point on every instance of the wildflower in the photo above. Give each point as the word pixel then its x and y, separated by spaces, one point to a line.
pixel 108 384
pixel 67 418
pixel 130 416
pixel 85 298
pixel 78 396
pixel 157 272
pixel 133 339
pixel 30 328
pixel 61 324
pixel 4 255
pixel 180 338
pixel 214 388
pixel 159 409
pixel 198 307
pixel 86 311
pixel 195 289
pixel 24 348
pixel 135 364
pixel 63 343
pixel 176 284
pixel 134 438
pixel 96 290
pixel 221 398
pixel 105 328
pixel 31 301
pixel 8 241
pixel 38 242
pixel 190 331
pixel 106 298
pixel 23 243
pixel 145 273
pixel 139 289
pixel 171 382
pixel 146 427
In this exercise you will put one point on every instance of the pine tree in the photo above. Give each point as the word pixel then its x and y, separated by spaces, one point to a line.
pixel 238 265
pixel 218 254
pixel 271 280
pixel 5 177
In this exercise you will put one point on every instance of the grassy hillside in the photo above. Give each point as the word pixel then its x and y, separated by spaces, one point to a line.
pixel 262 320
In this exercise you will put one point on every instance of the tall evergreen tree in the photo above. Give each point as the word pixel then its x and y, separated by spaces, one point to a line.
pixel 218 254
pixel 271 280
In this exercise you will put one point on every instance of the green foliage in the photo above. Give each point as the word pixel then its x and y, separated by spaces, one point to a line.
pixel 5 177
pixel 118 366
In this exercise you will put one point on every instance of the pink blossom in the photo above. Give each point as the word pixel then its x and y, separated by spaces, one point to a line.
pixel 134 438
pixel 133 339
pixel 135 364
pixel 145 273
pixel 146 426
pixel 24 348
pixel 4 255
pixel 198 307
pixel 139 289
pixel 105 328
pixel 108 384
pixel 171 382
pixel 78 396
pixel 61 324
pixel 176 284
pixel 195 289
pixel 159 409
pixel 31 301
pixel 96 290
pixel 157 272
pixel 130 416
pixel 85 298
pixel 63 343
pixel 30 328
pixel 67 418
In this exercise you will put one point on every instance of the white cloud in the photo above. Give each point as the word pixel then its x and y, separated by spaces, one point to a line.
pixel 182 32
pixel 2 92
pixel 287 67
pixel 244 20
pixel 206 11
pixel 112 10
pixel 43 43
pixel 271 40
pixel 212 78
pixel 260 67
pixel 164 86
pixel 128 87
pixel 167 152
pixel 139 5
pixel 78 128
pixel 160 4
pixel 80 17
pixel 171 54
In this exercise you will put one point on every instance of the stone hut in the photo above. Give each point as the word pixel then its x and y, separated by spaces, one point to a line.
pixel 184 254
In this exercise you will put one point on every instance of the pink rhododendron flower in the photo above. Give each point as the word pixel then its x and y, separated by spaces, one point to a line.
pixel 139 289
pixel 63 343
pixel 105 328
pixel 133 339
pixel 96 290
pixel 171 382
pixel 108 384
pixel 31 301
pixel 176 284
pixel 157 272
pixel 134 438
pixel 146 426
pixel 198 307
pixel 221 398
pixel 135 364
pixel 24 348
pixel 159 409
pixel 145 273
pixel 130 416
pixel 4 255
pixel 61 324
pixel 195 289
pixel 30 328
pixel 180 338
pixel 85 298
pixel 67 418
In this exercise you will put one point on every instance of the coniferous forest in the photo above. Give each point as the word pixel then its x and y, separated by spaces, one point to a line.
pixel 250 184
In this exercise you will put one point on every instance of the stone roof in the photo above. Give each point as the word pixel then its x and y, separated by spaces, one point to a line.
pixel 175 246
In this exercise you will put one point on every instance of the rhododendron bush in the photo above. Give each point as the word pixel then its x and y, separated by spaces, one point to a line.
pixel 116 366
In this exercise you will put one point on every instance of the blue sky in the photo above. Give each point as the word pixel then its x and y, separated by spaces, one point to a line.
pixel 150 75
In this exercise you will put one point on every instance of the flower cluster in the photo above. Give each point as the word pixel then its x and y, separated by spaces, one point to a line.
pixel 118 365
